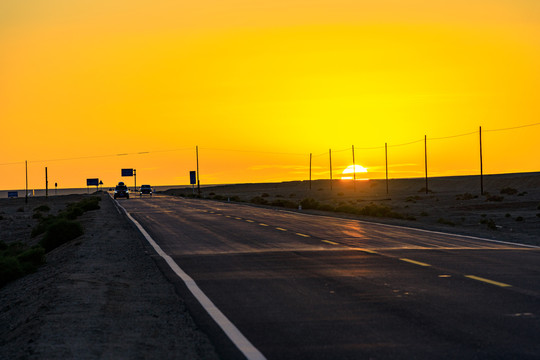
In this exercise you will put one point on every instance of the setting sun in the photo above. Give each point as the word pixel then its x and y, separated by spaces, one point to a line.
pixel 353 171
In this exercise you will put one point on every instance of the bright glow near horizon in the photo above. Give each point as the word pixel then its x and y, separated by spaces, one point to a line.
pixel 259 85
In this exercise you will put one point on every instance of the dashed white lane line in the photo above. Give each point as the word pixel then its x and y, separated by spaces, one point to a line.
pixel 241 342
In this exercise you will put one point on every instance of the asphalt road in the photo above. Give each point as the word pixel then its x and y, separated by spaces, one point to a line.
pixel 300 286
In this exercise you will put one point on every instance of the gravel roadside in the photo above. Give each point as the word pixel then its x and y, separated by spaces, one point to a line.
pixel 99 296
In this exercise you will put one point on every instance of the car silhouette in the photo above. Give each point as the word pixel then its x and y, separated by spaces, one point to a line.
pixel 121 190
pixel 145 190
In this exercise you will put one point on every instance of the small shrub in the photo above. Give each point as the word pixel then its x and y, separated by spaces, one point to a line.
pixel 294 195
pixel 309 203
pixel 219 197
pixel 60 232
pixel 519 218
pixel 284 203
pixel 507 215
pixel 320 189
pixel 259 200
pixel 522 193
pixel 1 217
pixel 37 215
pixel 413 198
pixel 423 190
pixel 538 215
pixel 466 196
pixel 446 222
pixel 423 213
pixel 494 198
pixel 326 207
pixel 10 269
pixel 235 198
pixel 489 223
pixel 43 208
pixel 279 195
pixel 265 195
pixel 31 259
pixel 21 209
pixel 340 194
pixel 509 191
pixel 212 194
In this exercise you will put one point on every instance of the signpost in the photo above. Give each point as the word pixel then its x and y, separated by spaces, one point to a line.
pixel 131 172
pixel 92 182
pixel 193 179
pixel 12 194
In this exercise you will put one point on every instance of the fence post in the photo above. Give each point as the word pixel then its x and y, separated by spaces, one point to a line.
pixel 330 155
pixel 481 165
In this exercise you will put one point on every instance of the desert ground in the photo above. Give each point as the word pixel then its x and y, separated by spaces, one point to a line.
pixel 100 296
pixel 103 296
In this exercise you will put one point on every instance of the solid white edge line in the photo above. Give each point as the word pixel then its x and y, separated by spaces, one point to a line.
pixel 241 342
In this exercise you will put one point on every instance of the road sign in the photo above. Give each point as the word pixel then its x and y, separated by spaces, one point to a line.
pixel 92 182
pixel 12 194
pixel 192 177
pixel 127 172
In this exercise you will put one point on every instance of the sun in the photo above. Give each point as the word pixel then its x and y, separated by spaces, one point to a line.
pixel 349 173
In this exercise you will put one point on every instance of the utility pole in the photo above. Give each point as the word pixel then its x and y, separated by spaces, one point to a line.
pixel 26 187
pixel 425 160
pixel 481 165
pixel 46 184
pixel 198 182
pixel 135 176
pixel 386 162
pixel 354 169
pixel 310 157
pixel 330 154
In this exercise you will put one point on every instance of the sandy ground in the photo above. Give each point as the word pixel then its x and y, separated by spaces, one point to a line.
pixel 99 296
pixel 446 207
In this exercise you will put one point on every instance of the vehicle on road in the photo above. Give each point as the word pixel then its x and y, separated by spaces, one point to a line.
pixel 120 191
pixel 145 190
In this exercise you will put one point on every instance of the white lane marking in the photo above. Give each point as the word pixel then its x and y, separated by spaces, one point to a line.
pixel 241 342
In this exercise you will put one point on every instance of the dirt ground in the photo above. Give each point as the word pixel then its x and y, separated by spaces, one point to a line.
pixel 98 296
pixel 452 204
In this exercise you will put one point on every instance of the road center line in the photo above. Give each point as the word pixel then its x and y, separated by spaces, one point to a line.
pixel 241 342
pixel 330 242
pixel 304 235
pixel 478 278
pixel 263 224
pixel 250 220
pixel 414 262
pixel 281 229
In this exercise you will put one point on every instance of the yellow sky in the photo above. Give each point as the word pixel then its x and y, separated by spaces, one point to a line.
pixel 259 85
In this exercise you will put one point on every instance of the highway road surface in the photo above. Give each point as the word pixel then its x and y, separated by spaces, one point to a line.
pixel 300 286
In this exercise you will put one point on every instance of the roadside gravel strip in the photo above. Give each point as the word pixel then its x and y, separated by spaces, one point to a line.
pixel 239 340
pixel 100 296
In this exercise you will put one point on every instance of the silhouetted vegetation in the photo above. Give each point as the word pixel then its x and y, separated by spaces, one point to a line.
pixel 494 198
pixel 43 208
pixel 466 196
pixel 446 222
pixel 489 223
pixel 509 191
pixel 17 260
pixel 259 200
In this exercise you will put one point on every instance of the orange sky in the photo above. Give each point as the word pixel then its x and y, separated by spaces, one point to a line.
pixel 259 85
